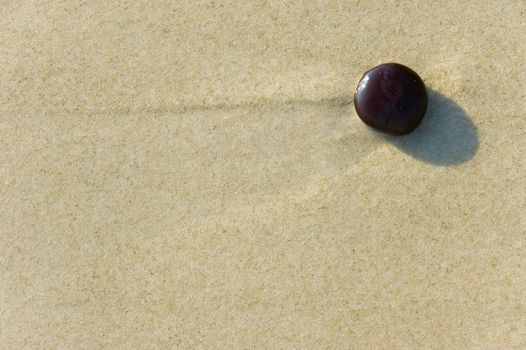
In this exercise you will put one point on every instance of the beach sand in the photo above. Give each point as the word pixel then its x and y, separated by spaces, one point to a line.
pixel 193 175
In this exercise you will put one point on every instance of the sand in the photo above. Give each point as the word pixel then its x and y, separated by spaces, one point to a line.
pixel 193 175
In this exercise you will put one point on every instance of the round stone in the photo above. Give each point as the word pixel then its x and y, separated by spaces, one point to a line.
pixel 391 98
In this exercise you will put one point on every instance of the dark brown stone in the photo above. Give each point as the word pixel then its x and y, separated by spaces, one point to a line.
pixel 391 98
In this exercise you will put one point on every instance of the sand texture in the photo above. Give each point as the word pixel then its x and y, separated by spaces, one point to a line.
pixel 193 175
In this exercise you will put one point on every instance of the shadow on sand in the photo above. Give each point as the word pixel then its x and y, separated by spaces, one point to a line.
pixel 446 136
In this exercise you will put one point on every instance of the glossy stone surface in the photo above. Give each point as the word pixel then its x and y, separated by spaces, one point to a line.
pixel 391 98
